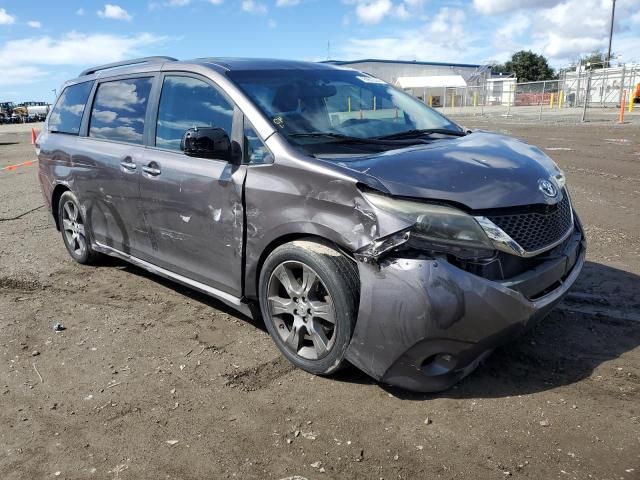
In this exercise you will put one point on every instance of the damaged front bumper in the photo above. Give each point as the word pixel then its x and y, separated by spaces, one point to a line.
pixel 424 324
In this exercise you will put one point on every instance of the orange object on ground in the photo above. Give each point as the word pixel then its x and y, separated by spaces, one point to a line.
pixel 34 135
pixel 14 167
pixel 622 103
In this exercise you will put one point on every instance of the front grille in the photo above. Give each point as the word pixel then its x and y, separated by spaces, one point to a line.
pixel 535 230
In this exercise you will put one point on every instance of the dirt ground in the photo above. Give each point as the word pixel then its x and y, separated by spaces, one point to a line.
pixel 151 380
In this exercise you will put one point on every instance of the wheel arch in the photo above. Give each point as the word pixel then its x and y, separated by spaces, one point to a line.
pixel 55 201
pixel 253 277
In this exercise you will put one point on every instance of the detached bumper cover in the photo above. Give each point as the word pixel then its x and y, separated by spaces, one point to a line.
pixel 425 324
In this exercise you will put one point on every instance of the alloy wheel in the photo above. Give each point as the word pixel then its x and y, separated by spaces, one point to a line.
pixel 73 228
pixel 302 310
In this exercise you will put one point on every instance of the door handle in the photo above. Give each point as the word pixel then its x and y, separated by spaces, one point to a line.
pixel 128 165
pixel 152 169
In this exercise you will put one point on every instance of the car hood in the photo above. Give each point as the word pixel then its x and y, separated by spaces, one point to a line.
pixel 481 171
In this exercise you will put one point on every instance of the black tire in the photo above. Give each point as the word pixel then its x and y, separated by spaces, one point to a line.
pixel 84 255
pixel 338 277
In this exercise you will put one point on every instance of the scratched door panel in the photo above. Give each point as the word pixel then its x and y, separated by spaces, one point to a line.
pixel 193 210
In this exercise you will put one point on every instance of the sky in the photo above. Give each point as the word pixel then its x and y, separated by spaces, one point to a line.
pixel 43 43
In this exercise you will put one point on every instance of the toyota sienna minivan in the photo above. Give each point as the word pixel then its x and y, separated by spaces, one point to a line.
pixel 360 224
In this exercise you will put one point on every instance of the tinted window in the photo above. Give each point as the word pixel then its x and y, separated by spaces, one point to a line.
pixel 67 114
pixel 186 103
pixel 255 152
pixel 119 109
pixel 343 102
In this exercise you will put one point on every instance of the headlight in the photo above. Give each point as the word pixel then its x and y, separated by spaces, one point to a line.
pixel 439 227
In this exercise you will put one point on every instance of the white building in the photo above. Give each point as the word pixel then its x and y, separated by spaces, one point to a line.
pixel 436 82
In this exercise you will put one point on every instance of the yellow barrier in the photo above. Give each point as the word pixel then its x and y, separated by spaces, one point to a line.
pixel 560 99
pixel 431 100
pixel 551 100
pixel 631 102
pixel 475 99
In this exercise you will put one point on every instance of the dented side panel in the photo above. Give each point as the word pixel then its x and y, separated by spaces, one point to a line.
pixel 283 201
pixel 304 196
pixel 195 217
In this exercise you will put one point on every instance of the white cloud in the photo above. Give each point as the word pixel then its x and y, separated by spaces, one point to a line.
pixel 373 11
pixel 272 23
pixel 122 96
pixel 445 38
pixel 175 3
pixel 115 12
pixel 80 12
pixel 20 75
pixel 105 116
pixel 562 30
pixel 251 6
pixel 29 59
pixel 287 3
pixel 508 38
pixel 216 2
pixel 5 18
pixel 492 7
pixel 34 24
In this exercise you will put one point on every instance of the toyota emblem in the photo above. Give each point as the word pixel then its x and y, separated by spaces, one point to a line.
pixel 547 188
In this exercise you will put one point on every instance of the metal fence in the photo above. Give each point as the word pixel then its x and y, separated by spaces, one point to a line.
pixel 587 95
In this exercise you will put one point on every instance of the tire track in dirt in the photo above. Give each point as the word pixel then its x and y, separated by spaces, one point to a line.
pixel 256 378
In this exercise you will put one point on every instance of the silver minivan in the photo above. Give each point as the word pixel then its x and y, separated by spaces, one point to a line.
pixel 360 224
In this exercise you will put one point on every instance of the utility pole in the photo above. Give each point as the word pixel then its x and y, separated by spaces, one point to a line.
pixel 613 14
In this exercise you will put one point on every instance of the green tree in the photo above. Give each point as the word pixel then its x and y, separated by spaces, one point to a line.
pixel 527 67
pixel 596 59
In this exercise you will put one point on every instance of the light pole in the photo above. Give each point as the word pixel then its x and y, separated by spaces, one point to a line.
pixel 613 14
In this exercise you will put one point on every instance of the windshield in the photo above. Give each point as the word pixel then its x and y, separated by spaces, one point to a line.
pixel 325 106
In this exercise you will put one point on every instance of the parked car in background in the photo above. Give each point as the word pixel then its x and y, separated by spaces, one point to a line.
pixel 360 224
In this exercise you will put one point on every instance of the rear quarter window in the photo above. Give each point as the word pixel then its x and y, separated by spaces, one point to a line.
pixel 66 116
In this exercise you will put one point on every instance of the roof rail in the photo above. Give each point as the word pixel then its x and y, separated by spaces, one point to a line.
pixel 124 63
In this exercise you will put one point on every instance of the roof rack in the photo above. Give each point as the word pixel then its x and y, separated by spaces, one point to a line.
pixel 124 63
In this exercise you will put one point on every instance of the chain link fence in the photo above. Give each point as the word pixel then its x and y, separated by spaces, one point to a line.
pixel 576 96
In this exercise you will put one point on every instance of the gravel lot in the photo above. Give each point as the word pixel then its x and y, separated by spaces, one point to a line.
pixel 152 380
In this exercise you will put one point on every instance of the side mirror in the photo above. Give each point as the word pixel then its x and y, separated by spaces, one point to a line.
pixel 207 142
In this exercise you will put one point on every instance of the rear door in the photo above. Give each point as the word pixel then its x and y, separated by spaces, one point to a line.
pixel 192 206
pixel 112 153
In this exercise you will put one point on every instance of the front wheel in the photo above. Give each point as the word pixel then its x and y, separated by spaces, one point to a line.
pixel 309 300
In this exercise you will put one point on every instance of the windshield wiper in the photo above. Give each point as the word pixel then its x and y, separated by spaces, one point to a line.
pixel 344 138
pixel 422 132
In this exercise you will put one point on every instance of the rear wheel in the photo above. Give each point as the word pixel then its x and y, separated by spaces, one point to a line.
pixel 74 230
pixel 309 298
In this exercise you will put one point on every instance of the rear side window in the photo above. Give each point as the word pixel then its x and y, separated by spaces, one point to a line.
pixel 185 103
pixel 67 114
pixel 119 110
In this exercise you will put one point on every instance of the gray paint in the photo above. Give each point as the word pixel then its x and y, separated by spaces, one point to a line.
pixel 209 224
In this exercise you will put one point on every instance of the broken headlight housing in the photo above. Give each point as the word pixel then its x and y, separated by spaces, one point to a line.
pixel 438 228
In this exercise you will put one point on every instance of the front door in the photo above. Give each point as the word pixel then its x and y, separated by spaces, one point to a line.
pixel 193 207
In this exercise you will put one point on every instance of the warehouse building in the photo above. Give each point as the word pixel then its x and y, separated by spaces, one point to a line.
pixel 425 80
